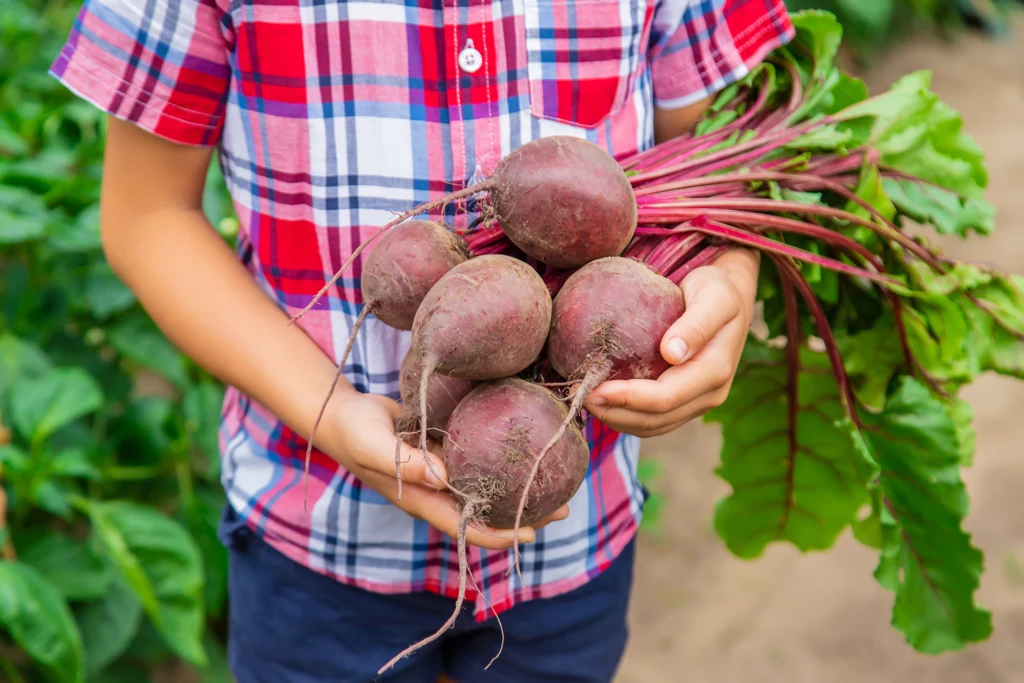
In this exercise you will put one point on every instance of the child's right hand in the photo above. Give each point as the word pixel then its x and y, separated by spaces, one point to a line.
pixel 360 435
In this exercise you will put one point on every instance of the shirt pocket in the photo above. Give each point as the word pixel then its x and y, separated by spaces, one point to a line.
pixel 583 56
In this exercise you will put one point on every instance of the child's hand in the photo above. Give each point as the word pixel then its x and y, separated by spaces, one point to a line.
pixel 704 346
pixel 362 426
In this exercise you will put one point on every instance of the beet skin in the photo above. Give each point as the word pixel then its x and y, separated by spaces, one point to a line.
pixel 402 267
pixel 564 200
pixel 443 394
pixel 613 311
pixel 485 319
pixel 493 439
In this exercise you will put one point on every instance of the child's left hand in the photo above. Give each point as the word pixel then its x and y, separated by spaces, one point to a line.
pixel 713 329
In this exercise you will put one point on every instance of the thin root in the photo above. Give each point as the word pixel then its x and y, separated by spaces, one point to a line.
pixel 327 399
pixel 597 374
pixel 468 510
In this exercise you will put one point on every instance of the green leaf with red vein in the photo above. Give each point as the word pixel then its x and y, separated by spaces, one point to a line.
pixel 928 560
pixel 787 454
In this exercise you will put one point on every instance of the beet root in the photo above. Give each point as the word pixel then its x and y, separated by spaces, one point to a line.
pixel 490 445
pixel 564 201
pixel 485 319
pixel 404 265
pixel 613 312
pixel 488 455
pixel 443 394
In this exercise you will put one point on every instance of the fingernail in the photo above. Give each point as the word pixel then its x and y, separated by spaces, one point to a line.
pixel 597 401
pixel 432 479
pixel 677 349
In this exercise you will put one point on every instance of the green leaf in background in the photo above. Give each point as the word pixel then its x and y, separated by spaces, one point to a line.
pixel 217 671
pixel 13 459
pixel 794 472
pixel 73 462
pixel 22 215
pixel 122 673
pixel 81 234
pixel 163 566
pixel 52 496
pixel 928 560
pixel 18 359
pixel 141 340
pixel 108 625
pixel 41 406
pixel 40 622
pixel 70 566
pixel 203 520
pixel 202 404
pixel 105 294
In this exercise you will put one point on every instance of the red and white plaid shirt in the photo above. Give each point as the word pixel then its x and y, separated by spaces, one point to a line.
pixel 331 116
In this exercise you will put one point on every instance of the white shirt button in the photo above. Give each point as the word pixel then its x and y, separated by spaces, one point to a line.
pixel 470 59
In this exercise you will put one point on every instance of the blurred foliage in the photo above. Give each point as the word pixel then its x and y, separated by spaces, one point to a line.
pixel 108 435
pixel 871 26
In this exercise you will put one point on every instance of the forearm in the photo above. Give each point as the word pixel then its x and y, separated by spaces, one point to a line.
pixel 203 299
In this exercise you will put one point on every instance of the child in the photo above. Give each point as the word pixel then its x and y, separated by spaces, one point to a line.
pixel 331 116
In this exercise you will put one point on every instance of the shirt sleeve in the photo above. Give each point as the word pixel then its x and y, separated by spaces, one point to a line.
pixel 161 64
pixel 700 46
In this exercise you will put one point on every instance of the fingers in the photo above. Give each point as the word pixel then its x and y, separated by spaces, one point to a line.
pixel 712 300
pixel 676 387
pixel 646 425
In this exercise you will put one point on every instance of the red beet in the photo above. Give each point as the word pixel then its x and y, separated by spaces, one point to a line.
pixel 404 265
pixel 488 454
pixel 564 201
pixel 609 317
pixel 485 319
pixel 443 395
pixel 492 439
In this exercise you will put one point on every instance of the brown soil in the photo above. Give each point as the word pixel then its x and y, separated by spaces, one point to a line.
pixel 700 615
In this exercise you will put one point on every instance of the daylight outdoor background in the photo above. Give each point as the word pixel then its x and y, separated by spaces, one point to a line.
pixel 96 406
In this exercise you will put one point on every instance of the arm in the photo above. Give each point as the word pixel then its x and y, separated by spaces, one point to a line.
pixel 154 231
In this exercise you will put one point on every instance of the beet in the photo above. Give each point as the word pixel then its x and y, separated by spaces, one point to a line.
pixel 489 451
pixel 485 319
pixel 404 265
pixel 489 456
pixel 564 201
pixel 443 395
pixel 609 317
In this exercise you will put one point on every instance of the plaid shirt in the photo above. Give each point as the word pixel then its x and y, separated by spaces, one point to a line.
pixel 330 116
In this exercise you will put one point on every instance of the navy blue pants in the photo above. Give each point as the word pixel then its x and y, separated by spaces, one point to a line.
pixel 289 624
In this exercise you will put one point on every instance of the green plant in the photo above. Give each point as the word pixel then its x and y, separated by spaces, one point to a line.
pixel 871 26
pixel 108 435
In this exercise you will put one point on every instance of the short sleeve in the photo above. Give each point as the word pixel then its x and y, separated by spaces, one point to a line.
pixel 162 64
pixel 700 46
